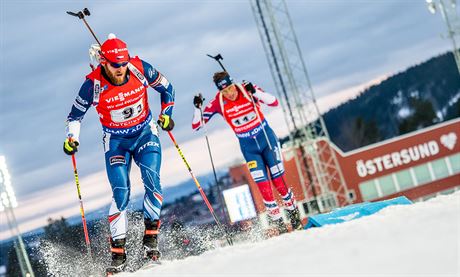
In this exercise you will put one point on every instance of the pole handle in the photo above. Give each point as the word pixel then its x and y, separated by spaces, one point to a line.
pixel 81 15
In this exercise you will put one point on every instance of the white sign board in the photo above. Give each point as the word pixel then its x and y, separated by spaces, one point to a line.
pixel 239 203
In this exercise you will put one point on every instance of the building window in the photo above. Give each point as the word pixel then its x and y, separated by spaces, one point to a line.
pixel 422 174
pixel 448 191
pixel 440 169
pixel 404 179
pixel 455 163
pixel 387 185
pixel 351 195
pixel 368 190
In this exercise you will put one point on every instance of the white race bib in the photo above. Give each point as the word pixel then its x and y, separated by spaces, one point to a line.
pixel 244 119
pixel 127 113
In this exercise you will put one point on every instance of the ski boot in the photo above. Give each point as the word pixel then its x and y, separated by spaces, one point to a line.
pixel 279 225
pixel 294 217
pixel 150 240
pixel 118 256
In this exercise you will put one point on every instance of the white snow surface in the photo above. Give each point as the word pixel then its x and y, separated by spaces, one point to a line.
pixel 422 239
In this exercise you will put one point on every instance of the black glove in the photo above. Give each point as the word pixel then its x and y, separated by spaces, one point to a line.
pixel 70 146
pixel 198 101
pixel 249 87
pixel 166 123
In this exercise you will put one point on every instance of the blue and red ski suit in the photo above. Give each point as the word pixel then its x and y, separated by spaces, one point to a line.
pixel 129 133
pixel 258 142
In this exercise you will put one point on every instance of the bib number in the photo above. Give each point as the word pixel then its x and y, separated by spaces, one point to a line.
pixel 244 119
pixel 127 113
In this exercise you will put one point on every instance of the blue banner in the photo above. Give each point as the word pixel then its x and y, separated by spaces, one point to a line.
pixel 352 212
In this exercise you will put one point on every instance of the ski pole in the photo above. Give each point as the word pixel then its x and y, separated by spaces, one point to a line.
pixel 218 57
pixel 81 15
pixel 212 161
pixel 82 211
pixel 203 195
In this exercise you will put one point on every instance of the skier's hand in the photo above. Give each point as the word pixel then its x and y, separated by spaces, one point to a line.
pixel 198 101
pixel 166 123
pixel 249 87
pixel 70 146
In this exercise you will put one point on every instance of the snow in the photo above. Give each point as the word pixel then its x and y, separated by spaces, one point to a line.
pixel 422 239
pixel 404 112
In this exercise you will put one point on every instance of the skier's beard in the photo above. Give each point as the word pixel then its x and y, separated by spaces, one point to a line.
pixel 117 78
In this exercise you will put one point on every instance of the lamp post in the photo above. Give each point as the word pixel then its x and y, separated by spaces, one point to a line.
pixel 7 204
pixel 449 14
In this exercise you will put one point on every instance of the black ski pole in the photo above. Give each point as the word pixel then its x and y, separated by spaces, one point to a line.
pixel 81 15
pixel 218 57
pixel 212 161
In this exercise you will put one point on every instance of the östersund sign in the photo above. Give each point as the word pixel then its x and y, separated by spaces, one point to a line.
pixel 404 156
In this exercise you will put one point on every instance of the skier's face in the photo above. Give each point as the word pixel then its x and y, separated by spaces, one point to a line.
pixel 117 74
pixel 230 92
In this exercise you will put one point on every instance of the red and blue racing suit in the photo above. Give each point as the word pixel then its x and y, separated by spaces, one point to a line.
pixel 261 150
pixel 129 133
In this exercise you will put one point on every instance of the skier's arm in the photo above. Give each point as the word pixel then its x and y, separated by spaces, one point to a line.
pixel 158 82
pixel 80 106
pixel 265 98
pixel 260 95
pixel 209 111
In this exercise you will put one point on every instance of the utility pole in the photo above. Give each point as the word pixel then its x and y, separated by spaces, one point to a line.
pixel 7 204
pixel 448 9
pixel 317 164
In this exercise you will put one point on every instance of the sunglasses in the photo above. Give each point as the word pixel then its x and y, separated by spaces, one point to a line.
pixel 118 65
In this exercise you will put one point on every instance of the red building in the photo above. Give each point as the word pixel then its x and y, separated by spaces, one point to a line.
pixel 418 165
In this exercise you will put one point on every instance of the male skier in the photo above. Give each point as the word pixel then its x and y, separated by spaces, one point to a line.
pixel 117 88
pixel 239 104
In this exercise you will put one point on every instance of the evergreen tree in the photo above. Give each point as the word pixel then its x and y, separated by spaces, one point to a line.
pixel 423 116
pixel 358 133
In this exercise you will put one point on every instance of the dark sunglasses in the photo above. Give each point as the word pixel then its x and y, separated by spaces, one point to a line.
pixel 118 65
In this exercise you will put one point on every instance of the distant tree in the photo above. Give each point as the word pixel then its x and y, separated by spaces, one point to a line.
pixel 453 111
pixel 436 80
pixel 59 231
pixel 358 133
pixel 13 267
pixel 423 116
pixel 13 263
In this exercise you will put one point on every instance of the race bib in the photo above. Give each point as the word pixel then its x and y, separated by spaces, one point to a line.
pixel 244 119
pixel 127 113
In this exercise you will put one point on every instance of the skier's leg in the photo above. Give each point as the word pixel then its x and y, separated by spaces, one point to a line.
pixel 274 160
pixel 118 163
pixel 147 155
pixel 251 152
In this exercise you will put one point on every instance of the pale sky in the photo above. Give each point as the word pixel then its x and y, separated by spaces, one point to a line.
pixel 346 46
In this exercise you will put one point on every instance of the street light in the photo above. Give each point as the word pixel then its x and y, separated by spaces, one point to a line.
pixel 7 204
pixel 431 6
pixel 449 14
pixel 8 198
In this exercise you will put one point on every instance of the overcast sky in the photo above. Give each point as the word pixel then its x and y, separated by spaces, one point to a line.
pixel 44 60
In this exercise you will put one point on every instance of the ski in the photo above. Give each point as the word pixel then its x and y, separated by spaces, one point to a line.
pixel 110 271
pixel 150 264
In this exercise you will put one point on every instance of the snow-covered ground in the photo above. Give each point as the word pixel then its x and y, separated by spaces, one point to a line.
pixel 422 239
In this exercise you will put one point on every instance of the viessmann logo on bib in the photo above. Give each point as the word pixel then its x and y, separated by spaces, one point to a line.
pixel 122 95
